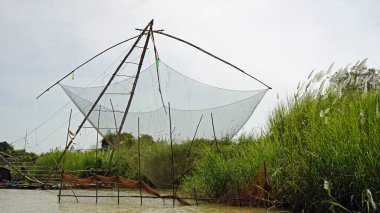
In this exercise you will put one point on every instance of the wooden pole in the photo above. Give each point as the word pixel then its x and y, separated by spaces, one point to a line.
pixel 213 129
pixel 212 55
pixel 84 64
pixel 68 128
pixel 96 155
pixel 118 154
pixel 26 136
pixel 138 146
pixel 171 147
pixel 238 191
pixel 137 77
pixel 60 187
pixel 61 172
pixel 195 195
pixel 192 141
pixel 104 90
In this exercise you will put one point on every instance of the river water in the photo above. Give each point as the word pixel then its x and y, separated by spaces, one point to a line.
pixel 13 200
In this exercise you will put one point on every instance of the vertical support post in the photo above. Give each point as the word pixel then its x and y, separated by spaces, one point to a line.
pixel 138 146
pixel 118 172
pixel 195 195
pixel 61 172
pixel 96 156
pixel 26 136
pixel 171 147
pixel 118 154
pixel 238 191
pixel 195 134
pixel 68 128
pixel 60 188
pixel 213 129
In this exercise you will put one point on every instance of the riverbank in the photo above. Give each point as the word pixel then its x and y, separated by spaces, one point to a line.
pixel 319 152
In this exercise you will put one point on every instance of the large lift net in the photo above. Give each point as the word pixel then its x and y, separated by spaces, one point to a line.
pixel 191 103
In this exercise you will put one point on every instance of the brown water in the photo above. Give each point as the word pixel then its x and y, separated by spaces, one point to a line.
pixel 13 200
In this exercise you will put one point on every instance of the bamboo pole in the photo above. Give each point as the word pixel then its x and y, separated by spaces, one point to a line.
pixel 61 172
pixel 137 77
pixel 118 154
pixel 195 195
pixel 104 89
pixel 212 55
pixel 238 191
pixel 96 155
pixel 26 137
pixel 196 130
pixel 213 129
pixel 138 146
pixel 115 45
pixel 171 147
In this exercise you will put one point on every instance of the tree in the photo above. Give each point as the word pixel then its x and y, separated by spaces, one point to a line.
pixel 5 147
pixel 126 139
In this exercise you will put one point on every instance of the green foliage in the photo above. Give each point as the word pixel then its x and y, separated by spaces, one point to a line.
pixel 314 138
pixel 5 147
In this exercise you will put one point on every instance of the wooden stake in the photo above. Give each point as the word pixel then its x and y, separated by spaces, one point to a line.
pixel 26 136
pixel 213 129
pixel 118 154
pixel 171 147
pixel 238 191
pixel 195 195
pixel 60 188
pixel 96 156
pixel 61 170
pixel 138 146
pixel 196 130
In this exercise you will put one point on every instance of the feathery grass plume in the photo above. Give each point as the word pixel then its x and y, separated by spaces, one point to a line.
pixel 321 87
pixel 318 76
pixel 307 86
pixel 362 65
pixel 330 69
pixel 370 198
pixel 311 73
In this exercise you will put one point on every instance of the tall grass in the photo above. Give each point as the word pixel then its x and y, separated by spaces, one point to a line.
pixel 322 150
pixel 312 139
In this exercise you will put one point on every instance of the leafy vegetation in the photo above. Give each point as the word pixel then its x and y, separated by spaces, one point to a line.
pixel 321 148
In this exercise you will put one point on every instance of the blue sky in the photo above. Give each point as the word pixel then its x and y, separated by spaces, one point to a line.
pixel 279 42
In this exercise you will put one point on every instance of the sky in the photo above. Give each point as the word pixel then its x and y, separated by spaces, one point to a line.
pixel 279 42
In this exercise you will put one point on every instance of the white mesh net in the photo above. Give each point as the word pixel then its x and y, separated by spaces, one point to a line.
pixel 189 100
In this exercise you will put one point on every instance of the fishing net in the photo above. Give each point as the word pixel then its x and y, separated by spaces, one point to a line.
pixel 189 101
pixel 192 103
pixel 130 184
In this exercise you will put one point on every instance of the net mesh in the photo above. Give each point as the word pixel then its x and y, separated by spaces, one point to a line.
pixel 188 98
pixel 130 184
pixel 191 103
